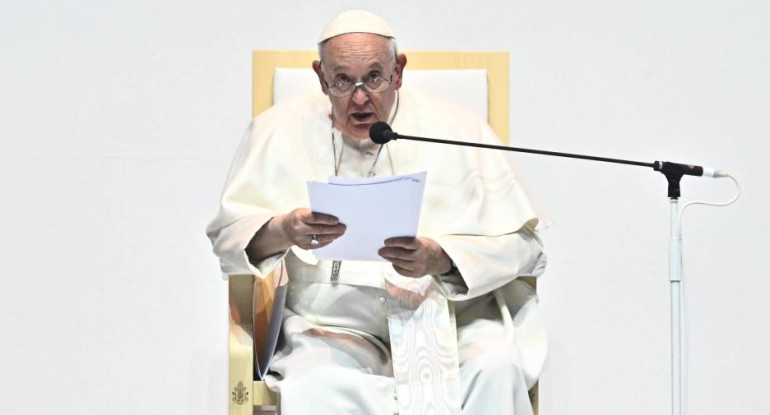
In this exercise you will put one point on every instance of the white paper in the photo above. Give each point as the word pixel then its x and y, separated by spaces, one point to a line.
pixel 372 209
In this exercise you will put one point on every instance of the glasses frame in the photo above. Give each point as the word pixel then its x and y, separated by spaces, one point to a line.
pixel 362 84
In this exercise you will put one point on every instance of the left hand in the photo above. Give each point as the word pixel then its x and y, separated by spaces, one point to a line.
pixel 415 256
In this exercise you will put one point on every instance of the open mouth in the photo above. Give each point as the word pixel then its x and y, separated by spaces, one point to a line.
pixel 362 116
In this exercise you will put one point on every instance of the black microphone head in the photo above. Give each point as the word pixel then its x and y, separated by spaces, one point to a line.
pixel 380 132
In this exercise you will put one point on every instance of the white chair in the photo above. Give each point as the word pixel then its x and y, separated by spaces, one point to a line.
pixel 251 299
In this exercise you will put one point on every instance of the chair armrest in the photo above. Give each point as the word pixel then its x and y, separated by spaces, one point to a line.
pixel 241 365
pixel 241 345
pixel 264 396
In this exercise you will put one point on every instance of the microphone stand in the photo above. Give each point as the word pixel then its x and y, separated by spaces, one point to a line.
pixel 673 172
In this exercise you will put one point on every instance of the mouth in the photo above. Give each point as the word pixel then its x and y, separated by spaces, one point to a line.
pixel 362 117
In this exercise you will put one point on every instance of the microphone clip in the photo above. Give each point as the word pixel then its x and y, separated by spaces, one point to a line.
pixel 674 173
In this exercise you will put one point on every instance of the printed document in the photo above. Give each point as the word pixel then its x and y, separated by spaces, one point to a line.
pixel 372 209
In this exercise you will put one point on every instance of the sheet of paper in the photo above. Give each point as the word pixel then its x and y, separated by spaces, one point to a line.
pixel 372 209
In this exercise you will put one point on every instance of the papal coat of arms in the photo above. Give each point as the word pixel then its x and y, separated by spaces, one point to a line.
pixel 240 394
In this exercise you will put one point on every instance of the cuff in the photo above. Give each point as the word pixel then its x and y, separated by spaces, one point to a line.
pixel 265 266
pixel 451 282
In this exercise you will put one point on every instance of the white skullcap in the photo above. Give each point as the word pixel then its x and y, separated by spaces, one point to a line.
pixel 356 21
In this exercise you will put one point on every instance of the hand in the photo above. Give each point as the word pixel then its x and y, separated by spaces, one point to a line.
pixel 300 225
pixel 416 256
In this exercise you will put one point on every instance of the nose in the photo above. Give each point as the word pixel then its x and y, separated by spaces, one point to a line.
pixel 360 96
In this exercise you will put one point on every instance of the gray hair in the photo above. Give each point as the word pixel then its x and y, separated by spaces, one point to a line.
pixel 391 44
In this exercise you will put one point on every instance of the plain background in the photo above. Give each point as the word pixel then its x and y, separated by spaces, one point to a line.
pixel 119 120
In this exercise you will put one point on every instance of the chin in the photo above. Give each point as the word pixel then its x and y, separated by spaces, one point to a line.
pixel 360 132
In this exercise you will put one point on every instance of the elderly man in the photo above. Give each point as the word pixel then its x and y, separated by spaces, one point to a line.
pixel 428 327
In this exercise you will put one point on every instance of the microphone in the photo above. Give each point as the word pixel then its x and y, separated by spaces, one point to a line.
pixel 380 132
pixel 680 169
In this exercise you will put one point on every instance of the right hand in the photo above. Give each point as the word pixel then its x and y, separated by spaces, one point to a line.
pixel 301 224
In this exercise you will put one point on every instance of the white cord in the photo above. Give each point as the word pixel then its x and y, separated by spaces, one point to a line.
pixel 683 304
pixel 703 202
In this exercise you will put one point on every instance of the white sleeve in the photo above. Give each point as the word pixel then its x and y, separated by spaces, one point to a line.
pixel 241 213
pixel 486 263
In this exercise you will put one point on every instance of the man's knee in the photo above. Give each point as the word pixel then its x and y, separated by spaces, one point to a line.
pixel 335 389
pixel 493 364
pixel 323 380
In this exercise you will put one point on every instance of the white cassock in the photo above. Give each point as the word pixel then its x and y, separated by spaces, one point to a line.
pixel 376 342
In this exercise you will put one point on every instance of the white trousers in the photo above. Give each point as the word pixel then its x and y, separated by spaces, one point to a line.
pixel 335 358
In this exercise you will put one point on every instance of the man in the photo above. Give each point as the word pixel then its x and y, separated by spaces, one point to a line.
pixel 356 335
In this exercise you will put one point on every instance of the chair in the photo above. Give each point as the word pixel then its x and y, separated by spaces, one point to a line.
pixel 250 298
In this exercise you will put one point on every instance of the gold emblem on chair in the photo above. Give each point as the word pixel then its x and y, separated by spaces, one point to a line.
pixel 240 394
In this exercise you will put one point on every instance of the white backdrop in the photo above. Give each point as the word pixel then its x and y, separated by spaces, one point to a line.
pixel 119 120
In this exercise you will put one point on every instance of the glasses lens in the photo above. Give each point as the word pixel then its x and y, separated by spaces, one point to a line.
pixel 340 89
pixel 337 91
pixel 376 85
pixel 343 89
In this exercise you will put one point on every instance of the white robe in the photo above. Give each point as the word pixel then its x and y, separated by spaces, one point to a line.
pixel 473 208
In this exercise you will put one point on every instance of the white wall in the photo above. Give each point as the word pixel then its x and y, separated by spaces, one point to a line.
pixel 119 120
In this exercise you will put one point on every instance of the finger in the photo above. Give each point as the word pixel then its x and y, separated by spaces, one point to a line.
pixel 337 230
pixel 320 244
pixel 405 271
pixel 306 231
pixel 327 239
pixel 408 242
pixel 397 254
pixel 312 242
pixel 323 240
pixel 315 218
pixel 407 265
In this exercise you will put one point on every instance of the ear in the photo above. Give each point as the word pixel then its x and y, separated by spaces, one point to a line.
pixel 320 74
pixel 400 64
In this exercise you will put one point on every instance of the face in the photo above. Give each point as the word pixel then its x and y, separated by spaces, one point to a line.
pixel 355 57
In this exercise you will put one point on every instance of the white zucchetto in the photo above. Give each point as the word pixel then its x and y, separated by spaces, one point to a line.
pixel 356 21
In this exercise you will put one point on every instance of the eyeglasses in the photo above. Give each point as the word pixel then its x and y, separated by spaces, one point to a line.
pixel 373 84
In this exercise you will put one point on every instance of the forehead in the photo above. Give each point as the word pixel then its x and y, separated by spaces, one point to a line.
pixel 354 50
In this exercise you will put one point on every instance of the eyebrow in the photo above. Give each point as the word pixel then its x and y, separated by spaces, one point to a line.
pixel 374 66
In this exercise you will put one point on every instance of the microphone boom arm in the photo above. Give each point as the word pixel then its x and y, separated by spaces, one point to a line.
pixel 380 132
pixel 525 150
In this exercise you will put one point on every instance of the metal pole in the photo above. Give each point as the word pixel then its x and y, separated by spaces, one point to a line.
pixel 675 277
